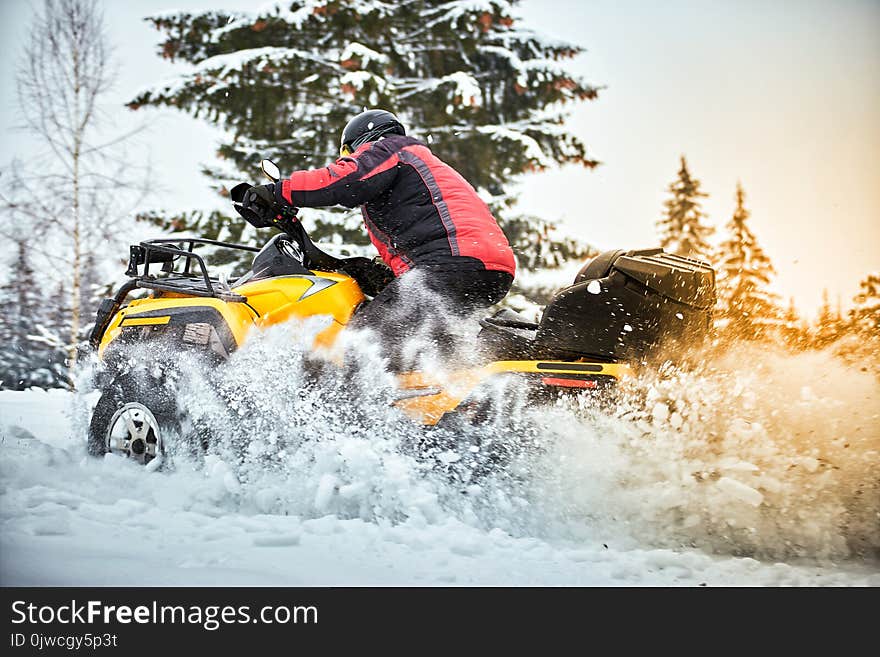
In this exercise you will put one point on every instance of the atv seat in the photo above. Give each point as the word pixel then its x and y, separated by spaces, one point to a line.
pixel 508 318
pixel 509 333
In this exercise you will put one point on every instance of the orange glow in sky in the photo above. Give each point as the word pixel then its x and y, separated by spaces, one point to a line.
pixel 782 96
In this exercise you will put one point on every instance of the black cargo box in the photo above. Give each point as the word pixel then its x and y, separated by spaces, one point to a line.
pixel 630 305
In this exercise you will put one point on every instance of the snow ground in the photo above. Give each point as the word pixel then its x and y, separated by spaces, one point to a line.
pixel 353 514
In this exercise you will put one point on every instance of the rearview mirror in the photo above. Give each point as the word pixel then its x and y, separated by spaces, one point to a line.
pixel 270 170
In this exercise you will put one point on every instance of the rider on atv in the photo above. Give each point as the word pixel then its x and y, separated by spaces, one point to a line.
pixel 427 222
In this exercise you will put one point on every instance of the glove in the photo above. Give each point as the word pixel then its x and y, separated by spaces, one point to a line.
pixel 371 276
pixel 260 206
pixel 260 200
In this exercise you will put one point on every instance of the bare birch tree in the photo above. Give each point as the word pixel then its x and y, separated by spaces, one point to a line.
pixel 72 200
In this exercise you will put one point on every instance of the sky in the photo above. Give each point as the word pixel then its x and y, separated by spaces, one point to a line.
pixel 782 96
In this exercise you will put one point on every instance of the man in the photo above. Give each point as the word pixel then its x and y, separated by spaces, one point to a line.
pixel 427 222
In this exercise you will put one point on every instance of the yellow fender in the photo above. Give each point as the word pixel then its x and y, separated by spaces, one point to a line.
pixel 269 302
pixel 427 398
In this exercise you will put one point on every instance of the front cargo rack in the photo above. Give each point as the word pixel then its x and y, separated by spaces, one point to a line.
pixel 188 281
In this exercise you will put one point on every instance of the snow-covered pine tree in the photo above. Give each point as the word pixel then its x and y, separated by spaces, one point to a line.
pixel 830 325
pixel 212 224
pixel 16 358
pixel 681 228
pixel 31 354
pixel 860 342
pixel 865 314
pixel 487 94
pixel 58 311
pixel 747 309
pixel 793 330
pixel 540 246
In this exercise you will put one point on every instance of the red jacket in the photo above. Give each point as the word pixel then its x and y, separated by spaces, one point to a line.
pixel 418 210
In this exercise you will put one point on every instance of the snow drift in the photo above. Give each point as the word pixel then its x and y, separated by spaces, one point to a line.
pixel 713 474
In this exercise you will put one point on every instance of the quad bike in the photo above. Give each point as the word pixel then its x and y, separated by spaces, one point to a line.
pixel 623 308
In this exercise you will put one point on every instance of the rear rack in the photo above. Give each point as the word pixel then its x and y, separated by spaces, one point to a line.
pixel 166 251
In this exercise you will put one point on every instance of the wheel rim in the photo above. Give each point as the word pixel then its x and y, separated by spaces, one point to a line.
pixel 134 433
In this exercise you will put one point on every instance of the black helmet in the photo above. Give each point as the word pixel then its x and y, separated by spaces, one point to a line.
pixel 368 126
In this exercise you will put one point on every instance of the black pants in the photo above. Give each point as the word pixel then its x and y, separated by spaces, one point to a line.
pixel 419 306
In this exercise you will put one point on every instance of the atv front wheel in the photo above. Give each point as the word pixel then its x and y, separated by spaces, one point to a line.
pixel 135 418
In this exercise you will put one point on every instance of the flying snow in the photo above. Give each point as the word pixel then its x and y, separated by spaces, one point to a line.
pixel 723 474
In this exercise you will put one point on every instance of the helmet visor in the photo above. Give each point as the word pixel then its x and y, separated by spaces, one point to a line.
pixel 344 150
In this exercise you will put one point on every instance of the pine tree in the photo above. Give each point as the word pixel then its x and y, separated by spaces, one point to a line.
pixel 213 225
pixel 865 314
pixel 859 344
pixel 15 359
pixel 793 330
pixel 747 309
pixel 31 354
pixel 539 246
pixel 681 229
pixel 829 326
pixel 58 314
pixel 487 95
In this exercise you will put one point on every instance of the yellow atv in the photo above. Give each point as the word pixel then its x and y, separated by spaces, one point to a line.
pixel 622 307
